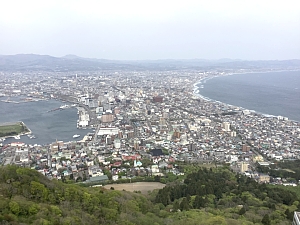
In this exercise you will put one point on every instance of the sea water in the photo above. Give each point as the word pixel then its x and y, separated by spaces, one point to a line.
pixel 46 126
pixel 273 93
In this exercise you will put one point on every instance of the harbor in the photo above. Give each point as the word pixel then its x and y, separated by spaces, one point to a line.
pixel 48 120
pixel 62 107
pixel 21 100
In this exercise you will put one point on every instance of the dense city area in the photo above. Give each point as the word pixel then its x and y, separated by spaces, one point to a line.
pixel 145 125
pixel 149 112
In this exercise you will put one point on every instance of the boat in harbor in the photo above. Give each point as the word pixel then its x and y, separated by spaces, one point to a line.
pixel 64 107
pixel 76 135
pixel 31 136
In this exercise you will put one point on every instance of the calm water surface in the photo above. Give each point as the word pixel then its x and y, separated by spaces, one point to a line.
pixel 274 93
pixel 45 126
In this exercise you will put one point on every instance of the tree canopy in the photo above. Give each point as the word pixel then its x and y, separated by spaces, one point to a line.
pixel 209 195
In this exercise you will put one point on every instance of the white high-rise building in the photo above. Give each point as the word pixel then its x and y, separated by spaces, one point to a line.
pixel 117 143
pixel 226 126
pixel 233 134
pixel 244 167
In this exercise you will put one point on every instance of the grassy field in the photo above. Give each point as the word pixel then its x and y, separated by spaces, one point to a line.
pixel 12 129
pixel 143 187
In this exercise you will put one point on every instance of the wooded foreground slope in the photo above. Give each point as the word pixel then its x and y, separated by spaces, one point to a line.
pixel 215 196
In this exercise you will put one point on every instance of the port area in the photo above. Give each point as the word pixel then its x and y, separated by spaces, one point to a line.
pixel 21 100
pixel 62 107
pixel 13 129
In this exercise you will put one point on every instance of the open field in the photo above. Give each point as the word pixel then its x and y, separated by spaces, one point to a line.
pixel 143 187
pixel 12 129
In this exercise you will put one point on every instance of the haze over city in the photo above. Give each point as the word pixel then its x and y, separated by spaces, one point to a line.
pixel 174 112
pixel 141 30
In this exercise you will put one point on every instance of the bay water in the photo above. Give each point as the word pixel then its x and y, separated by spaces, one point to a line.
pixel 272 93
pixel 46 125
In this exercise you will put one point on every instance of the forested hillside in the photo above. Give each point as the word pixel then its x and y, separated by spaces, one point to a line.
pixel 231 195
pixel 215 196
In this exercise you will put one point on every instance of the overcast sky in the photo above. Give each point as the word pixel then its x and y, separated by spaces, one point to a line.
pixel 163 29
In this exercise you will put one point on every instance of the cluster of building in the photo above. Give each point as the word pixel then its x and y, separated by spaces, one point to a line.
pixel 147 121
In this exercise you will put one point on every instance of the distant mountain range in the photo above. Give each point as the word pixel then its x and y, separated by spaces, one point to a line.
pixel 33 62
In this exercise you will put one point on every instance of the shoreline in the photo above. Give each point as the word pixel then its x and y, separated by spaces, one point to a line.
pixel 20 134
pixel 196 92
pixel 41 134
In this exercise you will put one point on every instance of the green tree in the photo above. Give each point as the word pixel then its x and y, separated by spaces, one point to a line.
pixel 157 178
pixel 266 220
pixel 198 202
pixel 38 191
pixel 289 214
pixel 14 207
pixel 184 204
pixel 55 210
pixel 33 209
pixel 84 177
pixel 176 206
pixel 242 211
pixel 146 162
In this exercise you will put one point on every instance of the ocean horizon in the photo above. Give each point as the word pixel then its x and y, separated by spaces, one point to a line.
pixel 270 93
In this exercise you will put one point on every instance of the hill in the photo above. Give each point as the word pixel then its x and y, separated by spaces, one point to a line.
pixel 214 196
pixel 28 197
pixel 33 62
pixel 222 192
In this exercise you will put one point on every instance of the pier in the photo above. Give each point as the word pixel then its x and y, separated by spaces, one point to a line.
pixel 52 110
pixel 10 101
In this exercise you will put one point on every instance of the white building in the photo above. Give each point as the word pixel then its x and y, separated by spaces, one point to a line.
pixel 108 131
pixel 226 126
pixel 244 167
pixel 117 143
pixel 296 220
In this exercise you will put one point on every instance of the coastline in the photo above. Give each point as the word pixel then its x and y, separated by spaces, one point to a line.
pixel 196 91
pixel 43 127
pixel 20 134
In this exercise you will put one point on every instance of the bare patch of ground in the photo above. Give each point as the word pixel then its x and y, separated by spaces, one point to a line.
pixel 288 170
pixel 143 187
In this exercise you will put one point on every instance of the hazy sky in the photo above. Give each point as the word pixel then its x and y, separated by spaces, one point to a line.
pixel 142 29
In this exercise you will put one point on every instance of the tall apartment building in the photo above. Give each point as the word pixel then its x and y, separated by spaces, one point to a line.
pixel 107 118
pixel 226 126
